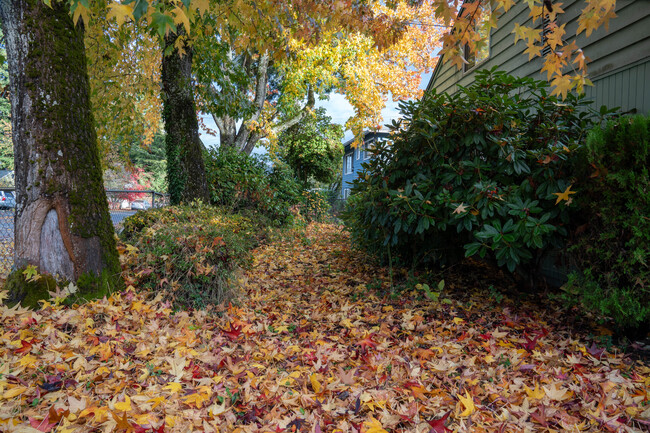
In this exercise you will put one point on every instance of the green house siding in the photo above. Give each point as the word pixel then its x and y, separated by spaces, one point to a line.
pixel 628 89
pixel 619 64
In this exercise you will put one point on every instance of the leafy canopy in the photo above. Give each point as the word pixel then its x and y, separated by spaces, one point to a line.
pixel 313 148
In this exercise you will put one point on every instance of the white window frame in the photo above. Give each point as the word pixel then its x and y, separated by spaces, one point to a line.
pixel 346 193
pixel 366 154
pixel 477 62
pixel 348 163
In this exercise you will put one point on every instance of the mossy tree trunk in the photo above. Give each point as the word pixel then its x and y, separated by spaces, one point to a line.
pixel 185 167
pixel 62 223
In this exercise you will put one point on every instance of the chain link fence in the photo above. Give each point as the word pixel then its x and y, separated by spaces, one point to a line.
pixel 121 204
pixel 125 202
pixel 7 210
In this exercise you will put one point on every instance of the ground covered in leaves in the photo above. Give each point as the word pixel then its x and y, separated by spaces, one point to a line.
pixel 312 346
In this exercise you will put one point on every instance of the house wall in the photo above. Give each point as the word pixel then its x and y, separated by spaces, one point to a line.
pixel 356 166
pixel 358 157
pixel 619 63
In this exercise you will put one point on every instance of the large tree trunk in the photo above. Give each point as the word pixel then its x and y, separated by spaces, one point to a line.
pixel 185 167
pixel 62 223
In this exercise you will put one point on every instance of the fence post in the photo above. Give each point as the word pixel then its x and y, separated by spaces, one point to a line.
pixel 153 199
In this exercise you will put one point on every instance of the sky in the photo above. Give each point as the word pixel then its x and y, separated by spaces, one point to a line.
pixel 337 108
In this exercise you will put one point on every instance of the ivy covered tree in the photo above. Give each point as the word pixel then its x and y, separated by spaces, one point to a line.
pixel 186 175
pixel 62 224
pixel 313 148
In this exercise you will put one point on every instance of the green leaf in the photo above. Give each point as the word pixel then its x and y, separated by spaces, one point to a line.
pixel 162 23
pixel 140 9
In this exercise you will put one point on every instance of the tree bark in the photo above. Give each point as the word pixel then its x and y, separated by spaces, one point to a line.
pixel 185 167
pixel 62 222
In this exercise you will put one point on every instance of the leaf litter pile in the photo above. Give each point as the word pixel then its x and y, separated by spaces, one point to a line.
pixel 310 348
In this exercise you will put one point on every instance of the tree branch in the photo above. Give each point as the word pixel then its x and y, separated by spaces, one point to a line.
pixel 244 134
pixel 311 101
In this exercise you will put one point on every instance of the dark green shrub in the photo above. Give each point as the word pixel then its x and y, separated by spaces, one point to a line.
pixel 192 251
pixel 477 172
pixel 612 249
pixel 239 181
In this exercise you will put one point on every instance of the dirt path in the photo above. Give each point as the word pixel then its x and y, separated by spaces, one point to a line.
pixel 309 347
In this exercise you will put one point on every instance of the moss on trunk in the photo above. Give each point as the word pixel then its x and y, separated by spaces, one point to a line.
pixel 185 166
pixel 62 223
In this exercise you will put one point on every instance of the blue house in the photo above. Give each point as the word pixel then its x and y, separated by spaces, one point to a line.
pixel 353 158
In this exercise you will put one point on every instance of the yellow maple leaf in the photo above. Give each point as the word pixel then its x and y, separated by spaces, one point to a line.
pixel 157 401
pixel 181 18
pixel 197 399
pixel 202 6
pixel 81 12
pixel 468 403
pixel 13 392
pixel 125 405
pixel 99 413
pixel 315 384
pixel 120 12
pixel 536 393
pixel 373 426
pixel 562 85
pixel 505 4
pixel 28 361
pixel 173 387
pixel 564 195
pixel 519 32
pixel 533 51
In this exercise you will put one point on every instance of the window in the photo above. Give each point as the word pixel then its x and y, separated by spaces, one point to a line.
pixel 348 163
pixel 346 193
pixel 482 52
pixel 366 154
pixel 359 150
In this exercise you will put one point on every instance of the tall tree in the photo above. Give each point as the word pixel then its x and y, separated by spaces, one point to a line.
pixel 259 90
pixel 62 223
pixel 366 49
pixel 185 168
pixel 313 148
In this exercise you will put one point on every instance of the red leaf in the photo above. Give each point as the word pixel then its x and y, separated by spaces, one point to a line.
pixel 233 333
pixel 43 425
pixel 438 425
pixel 367 342
pixel 26 347
pixel 540 416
